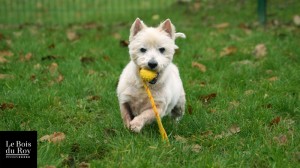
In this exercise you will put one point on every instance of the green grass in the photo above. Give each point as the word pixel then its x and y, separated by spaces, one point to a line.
pixel 75 11
pixel 93 128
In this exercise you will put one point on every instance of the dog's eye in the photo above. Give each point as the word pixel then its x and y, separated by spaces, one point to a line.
pixel 143 50
pixel 162 50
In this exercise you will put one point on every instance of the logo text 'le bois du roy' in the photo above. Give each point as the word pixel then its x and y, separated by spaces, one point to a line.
pixel 18 149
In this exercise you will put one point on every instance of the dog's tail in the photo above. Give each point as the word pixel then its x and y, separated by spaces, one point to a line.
pixel 181 35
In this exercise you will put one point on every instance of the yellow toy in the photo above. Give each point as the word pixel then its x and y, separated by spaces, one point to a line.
pixel 147 76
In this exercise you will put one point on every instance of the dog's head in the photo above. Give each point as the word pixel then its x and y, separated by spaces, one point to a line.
pixel 152 48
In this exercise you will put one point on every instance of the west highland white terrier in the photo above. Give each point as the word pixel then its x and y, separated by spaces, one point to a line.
pixel 153 49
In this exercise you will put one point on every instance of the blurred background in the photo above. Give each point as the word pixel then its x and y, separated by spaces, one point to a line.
pixel 50 12
pixel 102 12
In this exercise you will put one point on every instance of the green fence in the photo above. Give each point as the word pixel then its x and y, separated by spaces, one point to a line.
pixel 76 11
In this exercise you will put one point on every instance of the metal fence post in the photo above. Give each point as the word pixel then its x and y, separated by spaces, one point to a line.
pixel 262 11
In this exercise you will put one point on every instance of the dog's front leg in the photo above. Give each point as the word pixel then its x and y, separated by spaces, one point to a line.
pixel 126 114
pixel 139 121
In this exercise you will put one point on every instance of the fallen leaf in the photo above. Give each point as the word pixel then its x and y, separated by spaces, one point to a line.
pixel 202 84
pixel 268 106
pixel 281 139
pixel 106 57
pixel 51 46
pixel 9 42
pixel 269 71
pixel 75 148
pixel 243 62
pixel 200 66
pixel 180 139
pixel 53 68
pixel 93 98
pixel 249 92
pixel 25 125
pixel 228 51
pixel 72 35
pixel 260 51
pixel 6 76
pixel 289 122
pixel 47 166
pixel 3 60
pixel 45 138
pixel 213 110
pixel 91 25
pixel 68 161
pixel 297 156
pixel 208 98
pixel 55 137
pixel 221 25
pixel 246 28
pixel 60 78
pixel 220 136
pixel 37 66
pixel 196 148
pixel 124 43
pixel 235 37
pixel 5 106
pixel 190 109
pixel 34 30
pixel 275 121
pixel 2 37
pixel 87 59
pixel 84 165
pixel 32 77
pixel 234 129
pixel 296 20
pixel 91 72
pixel 275 22
pixel 206 133
pixel 117 36
pixel 272 79
pixel 234 104
pixel 27 57
pixel 48 57
pixel 4 54
pixel 196 6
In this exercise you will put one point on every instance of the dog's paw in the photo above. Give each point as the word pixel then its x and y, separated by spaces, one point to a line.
pixel 136 125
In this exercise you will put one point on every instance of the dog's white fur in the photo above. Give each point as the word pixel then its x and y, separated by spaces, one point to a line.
pixel 168 92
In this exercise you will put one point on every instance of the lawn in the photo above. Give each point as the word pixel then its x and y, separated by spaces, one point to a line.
pixel 241 81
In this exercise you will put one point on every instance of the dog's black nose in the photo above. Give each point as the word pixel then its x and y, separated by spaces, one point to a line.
pixel 152 64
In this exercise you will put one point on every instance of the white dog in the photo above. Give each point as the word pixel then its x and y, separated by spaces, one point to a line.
pixel 151 48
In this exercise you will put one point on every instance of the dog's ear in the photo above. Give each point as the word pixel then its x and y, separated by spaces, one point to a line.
pixel 168 27
pixel 137 26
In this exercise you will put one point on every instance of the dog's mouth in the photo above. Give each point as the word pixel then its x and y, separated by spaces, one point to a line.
pixel 153 81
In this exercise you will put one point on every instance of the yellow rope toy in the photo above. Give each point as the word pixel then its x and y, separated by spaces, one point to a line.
pixel 147 76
